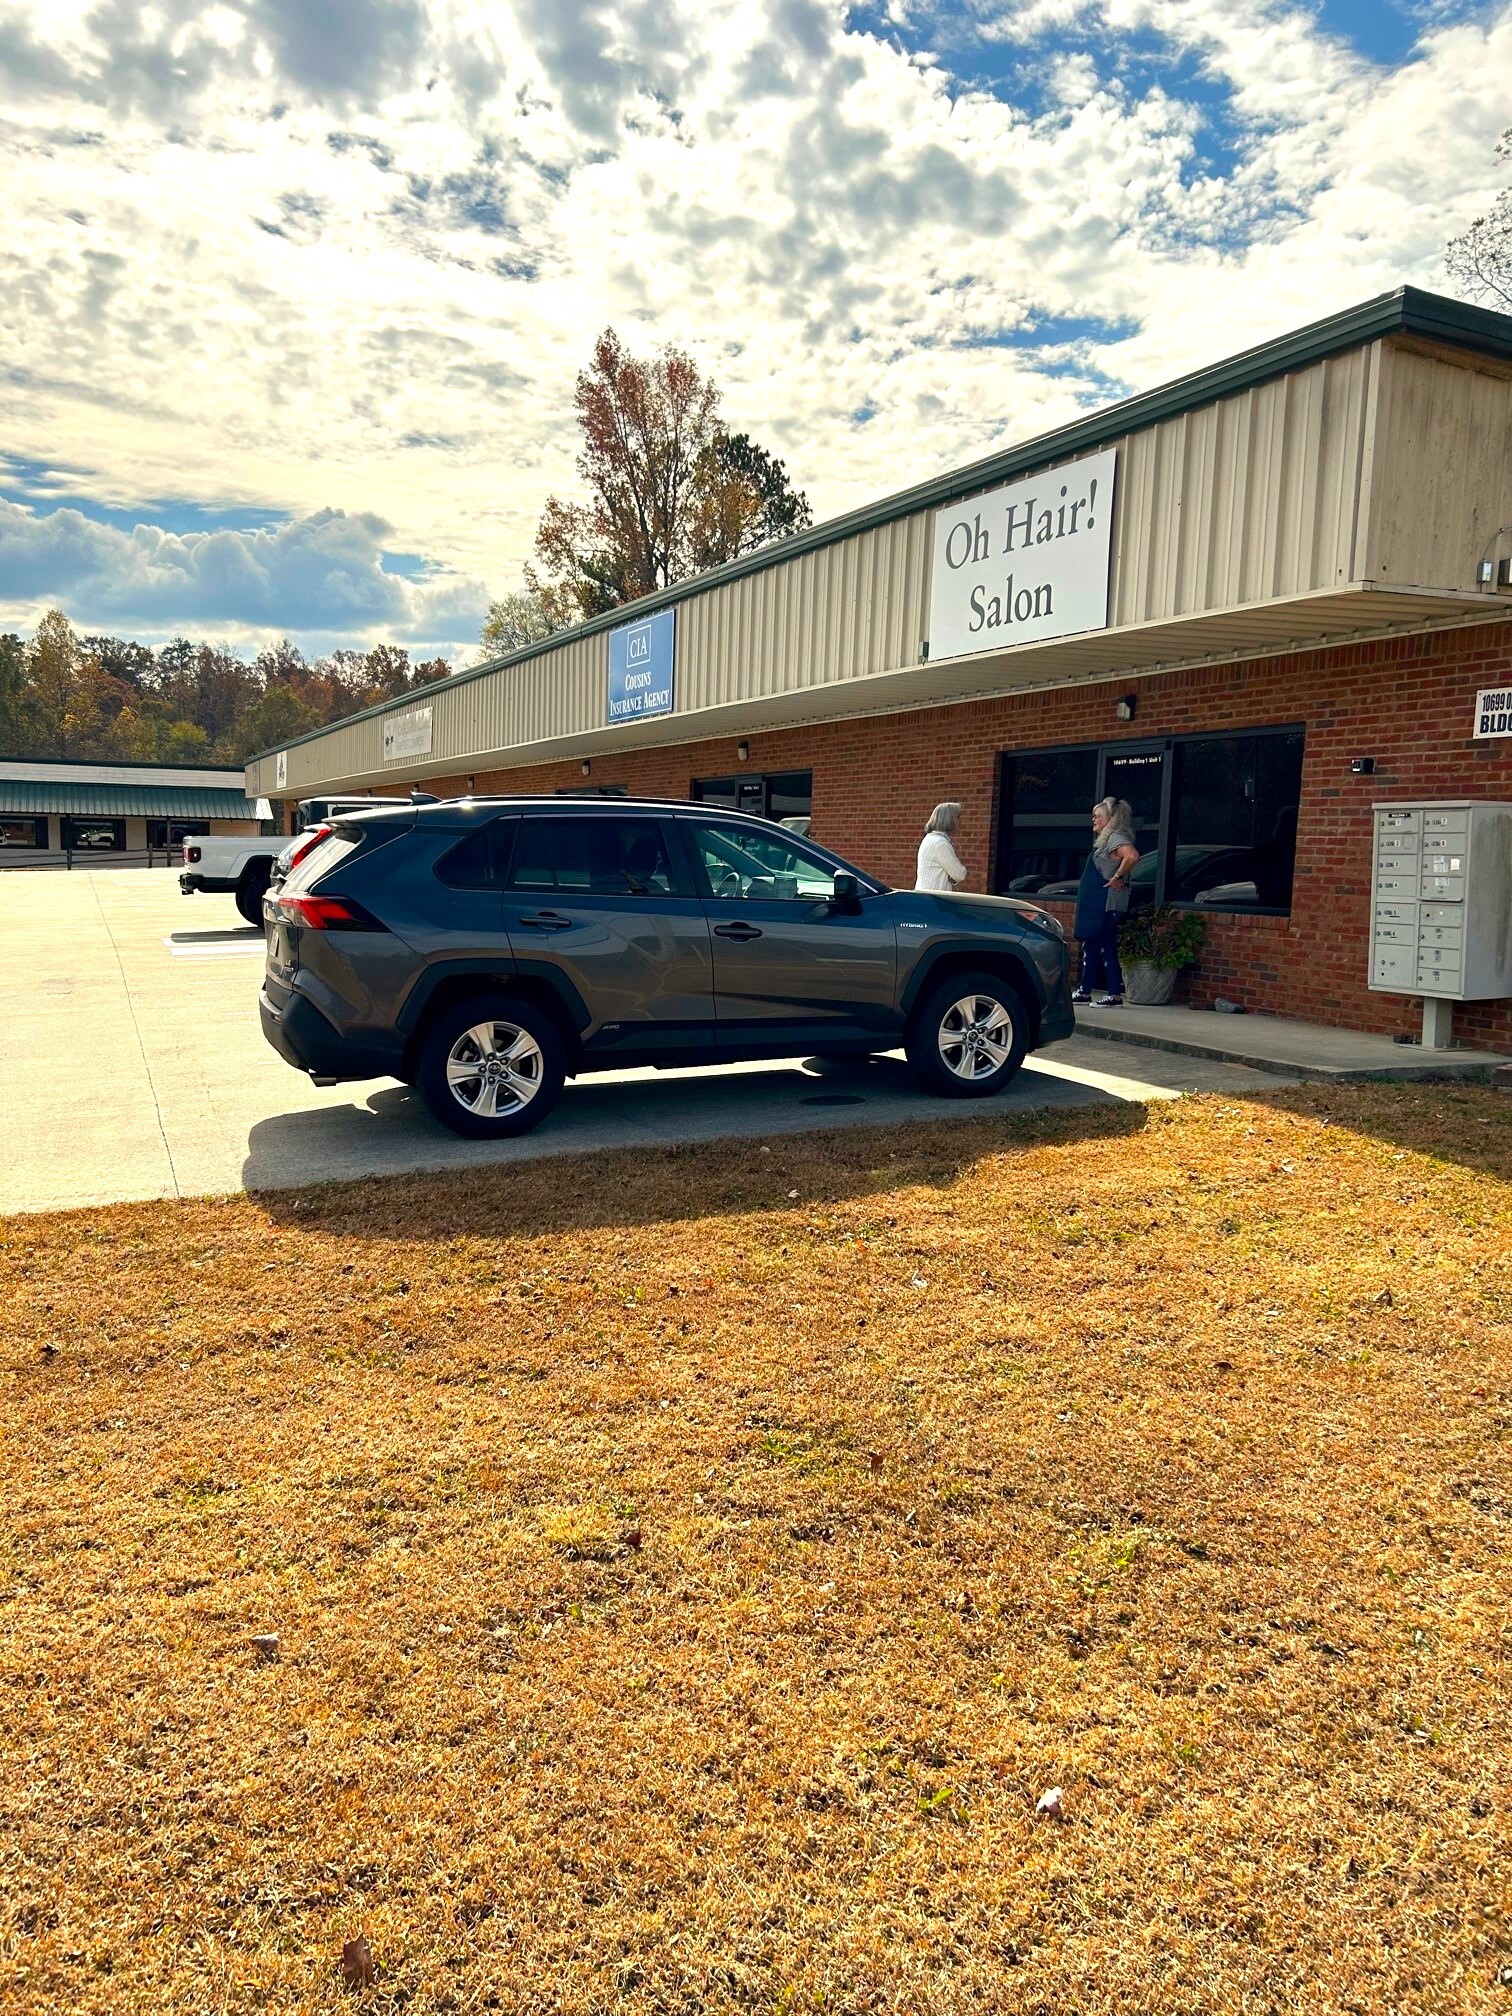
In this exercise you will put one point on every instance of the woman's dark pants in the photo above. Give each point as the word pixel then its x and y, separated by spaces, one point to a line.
pixel 1099 957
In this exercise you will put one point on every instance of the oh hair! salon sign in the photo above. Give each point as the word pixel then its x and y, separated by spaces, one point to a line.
pixel 1024 563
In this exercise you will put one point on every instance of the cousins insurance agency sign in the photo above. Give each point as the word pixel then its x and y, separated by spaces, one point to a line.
pixel 1024 563
pixel 641 664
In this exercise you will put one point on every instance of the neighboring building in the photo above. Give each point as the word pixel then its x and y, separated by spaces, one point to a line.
pixel 103 810
pixel 1254 603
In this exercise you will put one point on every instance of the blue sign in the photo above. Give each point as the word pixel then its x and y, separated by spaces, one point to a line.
pixel 640 667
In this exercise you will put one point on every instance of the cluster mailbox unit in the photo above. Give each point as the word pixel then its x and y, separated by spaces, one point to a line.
pixel 1441 906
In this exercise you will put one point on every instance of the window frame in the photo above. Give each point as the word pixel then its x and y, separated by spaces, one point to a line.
pixel 1167 745
pixel 37 822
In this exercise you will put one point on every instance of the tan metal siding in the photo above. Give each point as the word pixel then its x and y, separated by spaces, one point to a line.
pixel 1443 482
pixel 1255 497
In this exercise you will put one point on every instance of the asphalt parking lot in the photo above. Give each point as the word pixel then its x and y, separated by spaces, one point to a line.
pixel 136 1067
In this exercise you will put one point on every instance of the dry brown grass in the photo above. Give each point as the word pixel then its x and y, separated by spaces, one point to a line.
pixel 685 1589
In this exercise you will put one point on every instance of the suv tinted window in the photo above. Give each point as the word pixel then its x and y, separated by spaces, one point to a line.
pixel 594 857
pixel 481 861
pixel 742 862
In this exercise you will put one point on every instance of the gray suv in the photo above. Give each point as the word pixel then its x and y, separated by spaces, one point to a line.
pixel 484 949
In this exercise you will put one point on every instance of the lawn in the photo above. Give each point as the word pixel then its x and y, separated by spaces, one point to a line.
pixel 690 1568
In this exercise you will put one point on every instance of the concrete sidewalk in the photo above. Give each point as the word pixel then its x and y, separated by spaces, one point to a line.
pixel 136 1067
pixel 1271 1043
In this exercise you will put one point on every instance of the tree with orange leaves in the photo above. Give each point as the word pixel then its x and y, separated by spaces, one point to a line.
pixel 670 491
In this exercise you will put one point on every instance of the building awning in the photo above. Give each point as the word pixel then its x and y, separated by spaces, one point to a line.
pixel 125 801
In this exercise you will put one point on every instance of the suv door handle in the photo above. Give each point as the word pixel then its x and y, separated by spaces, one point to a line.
pixel 548 920
pixel 741 933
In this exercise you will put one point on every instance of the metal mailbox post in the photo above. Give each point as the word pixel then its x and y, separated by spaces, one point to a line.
pixel 1441 906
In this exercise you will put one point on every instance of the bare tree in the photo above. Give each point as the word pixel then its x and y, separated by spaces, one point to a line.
pixel 1480 259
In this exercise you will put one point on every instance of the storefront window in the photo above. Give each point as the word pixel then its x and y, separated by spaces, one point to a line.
pixel 1234 821
pixel 95 836
pixel 784 795
pixel 22 832
pixel 170 832
pixel 1215 818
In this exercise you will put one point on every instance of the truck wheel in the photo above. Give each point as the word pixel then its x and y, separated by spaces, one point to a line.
pixel 491 1067
pixel 969 1035
pixel 251 889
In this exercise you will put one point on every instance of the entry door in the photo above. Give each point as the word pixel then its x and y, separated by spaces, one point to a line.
pixel 603 900
pixel 789 969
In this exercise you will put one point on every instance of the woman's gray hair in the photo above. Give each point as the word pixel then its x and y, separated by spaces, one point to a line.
pixel 945 818
pixel 1120 814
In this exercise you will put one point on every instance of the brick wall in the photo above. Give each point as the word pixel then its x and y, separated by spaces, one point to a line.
pixel 1405 701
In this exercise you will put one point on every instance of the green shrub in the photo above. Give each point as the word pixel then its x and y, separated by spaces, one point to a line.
pixel 1162 936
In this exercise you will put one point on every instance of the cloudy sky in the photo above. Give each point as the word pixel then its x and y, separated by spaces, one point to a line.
pixel 295 292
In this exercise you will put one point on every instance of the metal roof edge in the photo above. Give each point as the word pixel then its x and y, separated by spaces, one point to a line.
pixel 1403 311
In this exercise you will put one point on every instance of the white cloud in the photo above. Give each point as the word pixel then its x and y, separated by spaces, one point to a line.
pixel 319 577
pixel 340 263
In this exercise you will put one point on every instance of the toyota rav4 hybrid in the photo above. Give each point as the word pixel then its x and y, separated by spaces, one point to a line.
pixel 483 950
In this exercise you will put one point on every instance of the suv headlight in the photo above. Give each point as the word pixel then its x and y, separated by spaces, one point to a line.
pixel 1043 921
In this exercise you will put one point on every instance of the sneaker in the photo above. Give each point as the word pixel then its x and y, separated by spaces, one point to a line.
pixel 1081 997
pixel 1108 1001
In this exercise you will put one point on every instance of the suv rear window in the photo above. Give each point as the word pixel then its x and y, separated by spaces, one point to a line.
pixel 321 859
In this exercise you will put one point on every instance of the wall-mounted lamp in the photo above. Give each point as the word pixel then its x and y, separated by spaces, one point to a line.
pixel 923 650
pixel 587 767
pixel 471 782
pixel 1126 708
pixel 1362 766
pixel 742 752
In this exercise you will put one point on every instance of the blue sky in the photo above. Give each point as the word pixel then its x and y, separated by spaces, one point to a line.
pixel 296 294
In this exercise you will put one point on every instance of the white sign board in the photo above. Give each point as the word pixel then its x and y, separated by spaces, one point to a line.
pixel 1027 562
pixel 280 769
pixel 1493 712
pixel 407 735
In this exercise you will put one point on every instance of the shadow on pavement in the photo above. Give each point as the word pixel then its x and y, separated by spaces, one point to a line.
pixel 1452 1121
pixel 318 1167
pixel 238 936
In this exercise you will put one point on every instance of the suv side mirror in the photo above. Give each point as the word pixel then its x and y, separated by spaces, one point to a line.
pixel 847 894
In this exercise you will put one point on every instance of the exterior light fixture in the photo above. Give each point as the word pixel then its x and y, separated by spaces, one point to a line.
pixel 1362 766
pixel 587 766
pixel 742 752
pixel 1127 707
pixel 471 784
pixel 923 650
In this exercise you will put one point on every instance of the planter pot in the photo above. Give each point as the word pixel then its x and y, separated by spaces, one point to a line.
pixel 1147 986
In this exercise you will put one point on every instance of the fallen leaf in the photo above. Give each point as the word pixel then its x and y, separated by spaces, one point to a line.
pixel 265 1644
pixel 1050 1805
pixel 631 1538
pixel 876 1463
pixel 357 1969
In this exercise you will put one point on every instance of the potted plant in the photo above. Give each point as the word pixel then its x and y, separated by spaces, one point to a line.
pixel 1155 945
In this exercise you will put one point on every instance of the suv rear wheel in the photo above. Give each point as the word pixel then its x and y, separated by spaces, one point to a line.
pixel 491 1067
pixel 969 1036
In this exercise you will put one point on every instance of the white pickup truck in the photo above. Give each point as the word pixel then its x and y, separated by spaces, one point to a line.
pixel 242 864
pixel 232 864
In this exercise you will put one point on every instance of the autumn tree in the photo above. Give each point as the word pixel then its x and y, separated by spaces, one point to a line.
pixel 670 492
pixel 1480 259
pixel 514 621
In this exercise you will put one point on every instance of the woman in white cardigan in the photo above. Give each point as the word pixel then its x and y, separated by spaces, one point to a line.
pixel 939 866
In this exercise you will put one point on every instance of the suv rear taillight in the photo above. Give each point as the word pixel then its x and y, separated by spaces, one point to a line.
pixel 306 846
pixel 328 913
pixel 191 855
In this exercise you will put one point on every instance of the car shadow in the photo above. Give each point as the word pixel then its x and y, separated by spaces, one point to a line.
pixel 239 935
pixel 642 1151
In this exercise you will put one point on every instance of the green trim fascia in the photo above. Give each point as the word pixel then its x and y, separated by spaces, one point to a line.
pixel 1407 311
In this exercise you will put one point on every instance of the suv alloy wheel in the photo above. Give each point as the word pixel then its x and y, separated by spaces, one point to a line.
pixel 491 1066
pixel 969 1036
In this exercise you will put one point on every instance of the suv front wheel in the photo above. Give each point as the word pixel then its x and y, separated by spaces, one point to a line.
pixel 491 1067
pixel 969 1036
